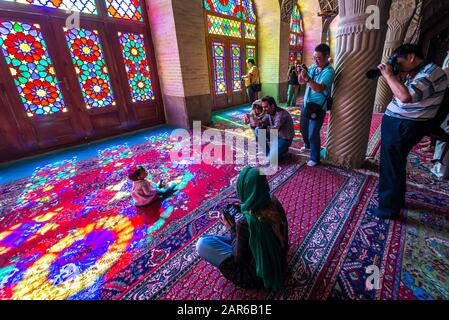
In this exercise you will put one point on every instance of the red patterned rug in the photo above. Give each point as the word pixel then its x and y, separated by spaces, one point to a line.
pixel 418 168
pixel 411 256
pixel 69 229
pixel 314 224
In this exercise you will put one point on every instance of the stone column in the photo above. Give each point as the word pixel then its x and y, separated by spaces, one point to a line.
pixel 358 48
pixel 401 13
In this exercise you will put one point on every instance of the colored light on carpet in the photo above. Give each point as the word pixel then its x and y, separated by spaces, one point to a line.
pixel 71 227
pixel 233 119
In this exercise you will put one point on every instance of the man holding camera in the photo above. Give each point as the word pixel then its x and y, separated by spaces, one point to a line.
pixel 416 100
pixel 293 84
pixel 319 78
pixel 279 119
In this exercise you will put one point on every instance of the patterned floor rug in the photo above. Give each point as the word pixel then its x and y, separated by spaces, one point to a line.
pixel 410 256
pixel 233 119
pixel 314 224
pixel 69 230
pixel 418 168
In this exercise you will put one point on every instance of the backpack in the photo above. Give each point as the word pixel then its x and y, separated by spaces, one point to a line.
pixel 434 125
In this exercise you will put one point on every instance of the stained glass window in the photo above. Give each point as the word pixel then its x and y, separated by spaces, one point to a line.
pixel 125 9
pixel 242 9
pixel 292 39
pixel 296 32
pixel 90 67
pixel 225 7
pixel 292 57
pixel 132 46
pixel 250 31
pixel 219 57
pixel 84 6
pixel 224 27
pixel 247 11
pixel 250 54
pixel 328 37
pixel 236 67
pixel 29 62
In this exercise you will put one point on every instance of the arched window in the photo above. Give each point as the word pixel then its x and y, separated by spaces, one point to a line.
pixel 231 40
pixel 78 69
pixel 296 34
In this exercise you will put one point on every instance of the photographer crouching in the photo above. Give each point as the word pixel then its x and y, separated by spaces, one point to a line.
pixel 319 78
pixel 418 88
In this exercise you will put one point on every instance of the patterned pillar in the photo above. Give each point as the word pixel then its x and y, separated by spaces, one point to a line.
pixel 401 13
pixel 358 48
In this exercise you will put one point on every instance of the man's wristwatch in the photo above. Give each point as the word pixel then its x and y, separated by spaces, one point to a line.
pixel 308 79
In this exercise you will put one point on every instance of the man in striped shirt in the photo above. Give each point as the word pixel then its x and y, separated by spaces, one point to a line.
pixel 416 99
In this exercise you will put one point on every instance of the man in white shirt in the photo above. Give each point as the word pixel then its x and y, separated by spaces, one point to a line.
pixel 441 155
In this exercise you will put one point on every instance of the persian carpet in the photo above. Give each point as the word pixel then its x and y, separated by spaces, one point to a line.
pixel 418 168
pixel 69 230
pixel 314 225
pixel 412 256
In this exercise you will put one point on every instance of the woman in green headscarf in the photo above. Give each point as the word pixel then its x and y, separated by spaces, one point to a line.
pixel 255 255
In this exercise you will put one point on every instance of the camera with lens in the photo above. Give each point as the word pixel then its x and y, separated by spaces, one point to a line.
pixel 231 211
pixel 375 73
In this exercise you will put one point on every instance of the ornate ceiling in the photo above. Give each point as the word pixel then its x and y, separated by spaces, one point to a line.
pixel 328 7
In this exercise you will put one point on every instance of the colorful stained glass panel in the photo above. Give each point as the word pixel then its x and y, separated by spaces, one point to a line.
pixel 219 60
pixel 292 57
pixel 29 62
pixel 134 54
pixel 223 27
pixel 292 39
pixel 225 7
pixel 247 11
pixel 250 31
pixel 90 67
pixel 125 9
pixel 84 6
pixel 236 55
pixel 296 19
pixel 250 54
pixel 300 40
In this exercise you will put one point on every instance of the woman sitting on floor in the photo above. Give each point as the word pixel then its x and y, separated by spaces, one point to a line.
pixel 255 255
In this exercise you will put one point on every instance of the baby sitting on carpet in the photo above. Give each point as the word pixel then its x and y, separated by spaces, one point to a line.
pixel 144 192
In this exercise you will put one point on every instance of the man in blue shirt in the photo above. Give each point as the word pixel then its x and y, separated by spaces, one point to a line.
pixel 319 78
pixel 416 100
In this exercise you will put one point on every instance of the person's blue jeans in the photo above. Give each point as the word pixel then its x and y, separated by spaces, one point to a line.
pixel 292 94
pixel 251 94
pixel 398 137
pixel 214 249
pixel 310 131
pixel 279 146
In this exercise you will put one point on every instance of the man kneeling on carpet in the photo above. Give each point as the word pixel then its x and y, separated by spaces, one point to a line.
pixel 145 192
pixel 278 119
pixel 255 256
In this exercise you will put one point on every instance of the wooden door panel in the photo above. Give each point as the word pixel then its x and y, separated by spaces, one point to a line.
pixel 42 85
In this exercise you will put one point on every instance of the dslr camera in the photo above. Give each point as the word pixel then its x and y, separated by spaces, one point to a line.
pixel 231 211
pixel 375 73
